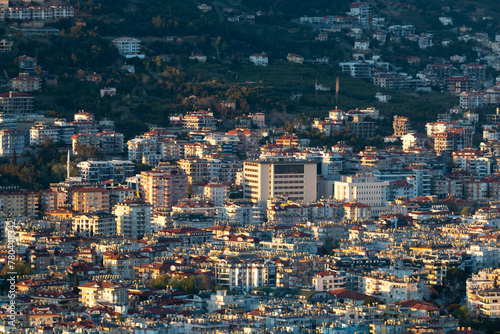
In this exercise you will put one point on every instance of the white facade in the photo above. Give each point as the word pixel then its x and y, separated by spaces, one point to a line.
pixel 259 59
pixel 392 289
pixel 363 188
pixel 216 193
pixel 39 132
pixel 133 218
pixel 128 46
pixel 245 276
pixel 98 224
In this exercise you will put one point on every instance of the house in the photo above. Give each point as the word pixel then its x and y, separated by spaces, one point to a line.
pixel 259 59
pixel 199 57
pixel 295 58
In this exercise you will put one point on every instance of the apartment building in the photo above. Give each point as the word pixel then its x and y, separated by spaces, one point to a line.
pixel 106 142
pixel 94 292
pixel 99 171
pixel 362 188
pixel 216 193
pixel 200 121
pixel 26 84
pixel 328 281
pixel 360 127
pixel 196 169
pixel 401 126
pixel 164 187
pixel 41 132
pixel 392 288
pixel 133 218
pixel 224 143
pixel 94 224
pixel 16 103
pixel 139 148
pixel 128 46
pixel 18 202
pixel 172 149
pixel 11 141
pixel 268 178
pixel 90 199
pixel 245 276
pixel 452 140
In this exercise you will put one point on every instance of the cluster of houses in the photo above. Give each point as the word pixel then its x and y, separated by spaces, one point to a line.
pixel 247 230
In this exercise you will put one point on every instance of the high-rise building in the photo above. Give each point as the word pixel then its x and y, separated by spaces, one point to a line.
pixel 133 218
pixel 10 141
pixel 401 126
pixel 265 179
pixel 164 186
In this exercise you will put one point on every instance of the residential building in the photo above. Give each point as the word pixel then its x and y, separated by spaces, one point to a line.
pixel 196 169
pixel 328 281
pixel 362 188
pixel 392 288
pixel 140 148
pixel 90 199
pixel 26 84
pixel 401 126
pixel 18 202
pixel 95 224
pixel 98 171
pixel 133 218
pixel 259 59
pixel 244 276
pixel 164 187
pixel 216 193
pixel 128 47
pixel 11 141
pixel 268 178
pixel 200 121
pixel 94 292
pixel 16 103
pixel 41 132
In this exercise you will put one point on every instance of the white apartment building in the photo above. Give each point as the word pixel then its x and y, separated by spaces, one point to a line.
pixel 484 257
pixel 241 212
pixel 39 132
pixel 141 147
pixel 289 245
pixel 94 224
pixel 133 218
pixel 93 292
pixel 245 276
pixel 392 288
pixel 362 188
pixel 99 171
pixel 216 193
pixel 10 141
pixel 489 302
pixel 483 280
pixel 268 178
pixel 128 47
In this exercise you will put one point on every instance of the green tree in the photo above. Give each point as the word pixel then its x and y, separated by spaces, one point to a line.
pixel 465 212
pixel 372 301
pixel 76 283
pixel 20 268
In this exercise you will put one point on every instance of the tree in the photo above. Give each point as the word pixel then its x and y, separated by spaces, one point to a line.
pixel 465 212
pixel 372 301
pixel 76 284
pixel 20 268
